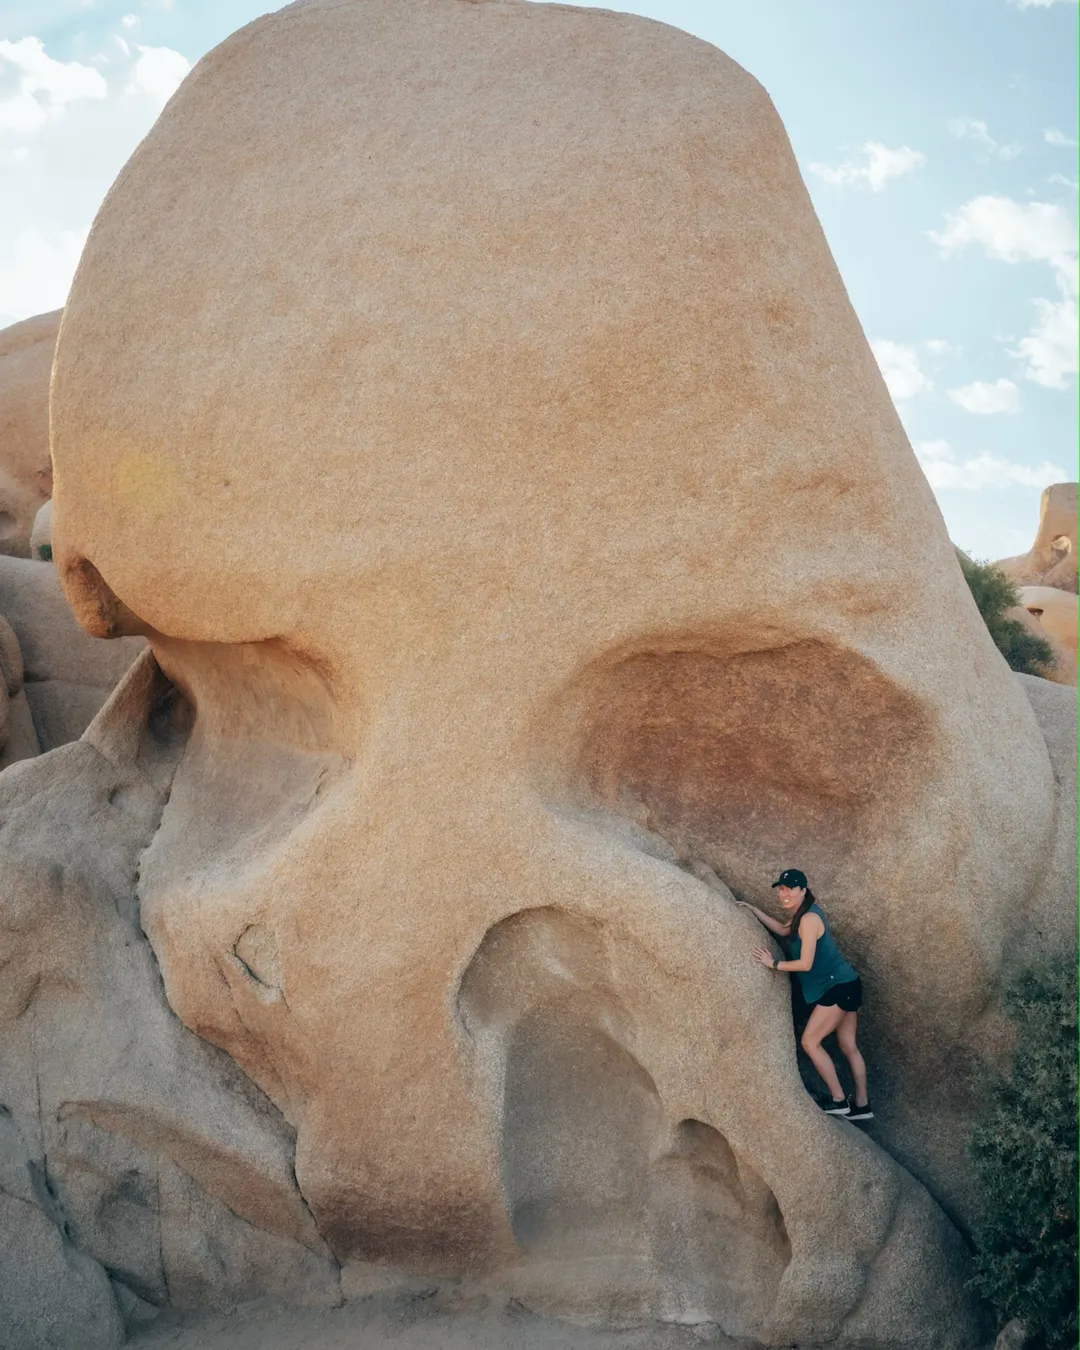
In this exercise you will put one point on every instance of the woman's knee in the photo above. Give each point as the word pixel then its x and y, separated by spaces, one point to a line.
pixel 809 1042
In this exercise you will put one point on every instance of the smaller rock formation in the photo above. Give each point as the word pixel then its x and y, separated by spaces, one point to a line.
pixel 1055 610
pixel 1062 668
pixel 138 1165
pixel 57 677
pixel 41 534
pixel 26 353
pixel 18 736
pixel 1051 560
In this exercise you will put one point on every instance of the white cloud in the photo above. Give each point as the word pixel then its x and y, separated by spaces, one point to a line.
pixel 158 72
pixel 66 130
pixel 1010 231
pixel 984 396
pixel 1050 350
pixel 1053 136
pixel 939 347
pixel 1063 181
pixel 36 269
pixel 42 87
pixel 970 129
pixel 899 367
pixel 1040 4
pixel 945 470
pixel 879 165
pixel 1016 232
pixel 130 20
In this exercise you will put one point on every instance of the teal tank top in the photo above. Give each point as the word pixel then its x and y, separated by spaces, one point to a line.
pixel 829 966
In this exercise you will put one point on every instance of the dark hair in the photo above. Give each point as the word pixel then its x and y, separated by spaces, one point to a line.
pixel 804 905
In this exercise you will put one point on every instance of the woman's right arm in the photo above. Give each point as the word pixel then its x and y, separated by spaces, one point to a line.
pixel 773 925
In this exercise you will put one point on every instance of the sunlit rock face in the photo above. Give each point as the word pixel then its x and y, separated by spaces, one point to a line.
pixel 463 400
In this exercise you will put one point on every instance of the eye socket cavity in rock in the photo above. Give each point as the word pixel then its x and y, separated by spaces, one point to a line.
pixel 743 759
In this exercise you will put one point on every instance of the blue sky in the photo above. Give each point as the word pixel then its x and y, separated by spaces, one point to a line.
pixel 937 138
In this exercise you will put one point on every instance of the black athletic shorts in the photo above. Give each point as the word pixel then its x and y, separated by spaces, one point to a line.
pixel 847 996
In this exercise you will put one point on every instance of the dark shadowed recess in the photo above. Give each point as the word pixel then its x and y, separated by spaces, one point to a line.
pixel 592 1168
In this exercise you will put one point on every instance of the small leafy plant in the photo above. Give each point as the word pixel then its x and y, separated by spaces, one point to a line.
pixel 1023 1153
pixel 994 594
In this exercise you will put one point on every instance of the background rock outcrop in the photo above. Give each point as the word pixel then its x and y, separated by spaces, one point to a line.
pixel 139 1165
pixel 1052 558
pixel 66 675
pixel 26 354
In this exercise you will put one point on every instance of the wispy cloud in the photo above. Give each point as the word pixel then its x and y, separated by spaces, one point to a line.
pixel 1018 232
pixel 158 72
pixel 945 470
pixel 939 347
pixel 877 166
pixel 971 129
pixel 41 88
pixel 1039 4
pixel 66 129
pixel 1054 136
pixel 900 369
pixel 987 396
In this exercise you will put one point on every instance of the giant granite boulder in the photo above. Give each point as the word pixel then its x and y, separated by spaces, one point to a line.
pixel 428 426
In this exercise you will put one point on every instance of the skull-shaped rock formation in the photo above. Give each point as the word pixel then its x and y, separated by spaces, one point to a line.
pixel 430 379
pixel 1052 558
pixel 26 354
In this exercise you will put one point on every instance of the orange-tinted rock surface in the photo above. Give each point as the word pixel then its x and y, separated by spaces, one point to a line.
pixel 429 425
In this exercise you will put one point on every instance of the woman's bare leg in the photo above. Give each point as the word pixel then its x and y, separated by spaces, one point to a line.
pixel 845 1035
pixel 824 1021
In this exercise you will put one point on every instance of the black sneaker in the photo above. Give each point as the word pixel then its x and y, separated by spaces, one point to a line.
pixel 859 1112
pixel 832 1108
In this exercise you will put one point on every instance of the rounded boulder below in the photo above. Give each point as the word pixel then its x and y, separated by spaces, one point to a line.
pixel 1055 610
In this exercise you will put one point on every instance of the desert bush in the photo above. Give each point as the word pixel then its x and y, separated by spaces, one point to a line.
pixel 1023 1152
pixel 994 594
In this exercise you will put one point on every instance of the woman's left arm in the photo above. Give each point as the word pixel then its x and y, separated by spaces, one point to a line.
pixel 810 929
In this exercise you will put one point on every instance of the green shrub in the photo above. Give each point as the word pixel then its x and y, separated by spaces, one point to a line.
pixel 45 552
pixel 994 593
pixel 1023 1153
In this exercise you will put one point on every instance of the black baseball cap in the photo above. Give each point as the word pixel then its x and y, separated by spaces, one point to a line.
pixel 791 877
